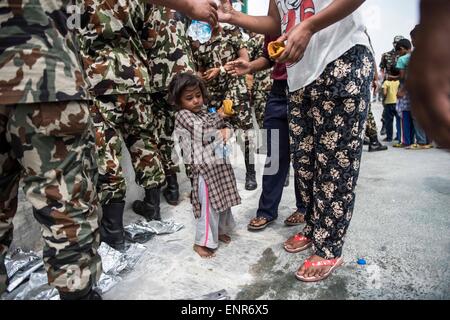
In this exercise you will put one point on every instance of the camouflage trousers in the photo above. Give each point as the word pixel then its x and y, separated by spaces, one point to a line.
pixel 127 117
pixel 258 100
pixel 371 125
pixel 165 122
pixel 51 145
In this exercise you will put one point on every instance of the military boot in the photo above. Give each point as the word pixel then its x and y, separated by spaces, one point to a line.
pixel 149 208
pixel 87 294
pixel 286 182
pixel 250 175
pixel 376 145
pixel 171 192
pixel 111 225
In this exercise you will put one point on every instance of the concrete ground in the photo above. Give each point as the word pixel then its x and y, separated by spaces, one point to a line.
pixel 400 226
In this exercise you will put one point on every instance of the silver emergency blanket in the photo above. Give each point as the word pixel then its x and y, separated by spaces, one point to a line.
pixel 116 263
pixel 141 231
pixel 218 295
pixel 20 265
pixel 36 288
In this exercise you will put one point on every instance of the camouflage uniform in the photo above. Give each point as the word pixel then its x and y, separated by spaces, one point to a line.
pixel 221 49
pixel 46 137
pixel 116 65
pixel 388 62
pixel 262 81
pixel 169 52
pixel 371 125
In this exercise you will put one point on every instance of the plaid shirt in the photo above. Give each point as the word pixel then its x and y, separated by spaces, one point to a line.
pixel 198 136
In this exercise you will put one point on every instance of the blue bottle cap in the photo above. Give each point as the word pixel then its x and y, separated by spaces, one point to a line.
pixel 361 262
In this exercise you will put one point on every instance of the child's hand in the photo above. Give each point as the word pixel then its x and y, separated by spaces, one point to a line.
pixel 222 113
pixel 226 134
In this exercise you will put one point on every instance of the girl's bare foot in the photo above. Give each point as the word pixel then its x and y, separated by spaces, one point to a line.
pixel 204 252
pixel 224 238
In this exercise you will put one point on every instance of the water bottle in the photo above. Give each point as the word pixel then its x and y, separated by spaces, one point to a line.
pixel 199 30
pixel 222 151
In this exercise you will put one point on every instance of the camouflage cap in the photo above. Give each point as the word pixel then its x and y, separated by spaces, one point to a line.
pixel 398 38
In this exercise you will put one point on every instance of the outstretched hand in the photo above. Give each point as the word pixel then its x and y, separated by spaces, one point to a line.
pixel 238 67
pixel 210 74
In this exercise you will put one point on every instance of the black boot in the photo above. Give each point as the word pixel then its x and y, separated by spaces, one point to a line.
pixel 286 182
pixel 149 208
pixel 250 175
pixel 111 225
pixel 376 145
pixel 83 295
pixel 366 140
pixel 171 192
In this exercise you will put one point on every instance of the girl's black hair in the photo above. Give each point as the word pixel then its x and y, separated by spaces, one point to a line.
pixel 180 82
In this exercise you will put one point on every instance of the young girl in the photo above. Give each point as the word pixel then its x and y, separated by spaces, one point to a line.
pixel 214 189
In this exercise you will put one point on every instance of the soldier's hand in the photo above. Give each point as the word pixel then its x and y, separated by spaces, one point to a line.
pixel 204 10
pixel 210 74
pixel 239 67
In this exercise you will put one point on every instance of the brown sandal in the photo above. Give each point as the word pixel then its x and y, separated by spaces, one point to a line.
pixel 295 219
pixel 254 224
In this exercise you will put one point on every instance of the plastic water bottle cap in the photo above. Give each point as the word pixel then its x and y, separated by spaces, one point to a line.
pixel 361 262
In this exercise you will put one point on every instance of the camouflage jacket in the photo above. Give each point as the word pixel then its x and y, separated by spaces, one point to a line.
pixel 167 46
pixel 38 53
pixel 219 50
pixel 262 79
pixel 388 61
pixel 113 53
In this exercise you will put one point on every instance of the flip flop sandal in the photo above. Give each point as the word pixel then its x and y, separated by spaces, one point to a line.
pixel 260 227
pixel 334 263
pixel 297 238
pixel 295 217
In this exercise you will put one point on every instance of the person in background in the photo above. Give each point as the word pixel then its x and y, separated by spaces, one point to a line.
pixel 390 89
pixel 387 67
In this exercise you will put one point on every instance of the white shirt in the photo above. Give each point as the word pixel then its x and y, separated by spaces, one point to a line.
pixel 326 45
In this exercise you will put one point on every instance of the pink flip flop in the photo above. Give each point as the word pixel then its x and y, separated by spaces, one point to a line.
pixel 297 238
pixel 334 263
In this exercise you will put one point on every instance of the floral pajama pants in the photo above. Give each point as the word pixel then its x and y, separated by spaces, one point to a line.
pixel 326 122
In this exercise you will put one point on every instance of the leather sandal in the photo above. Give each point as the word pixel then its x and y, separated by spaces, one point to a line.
pixel 254 223
pixel 295 219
